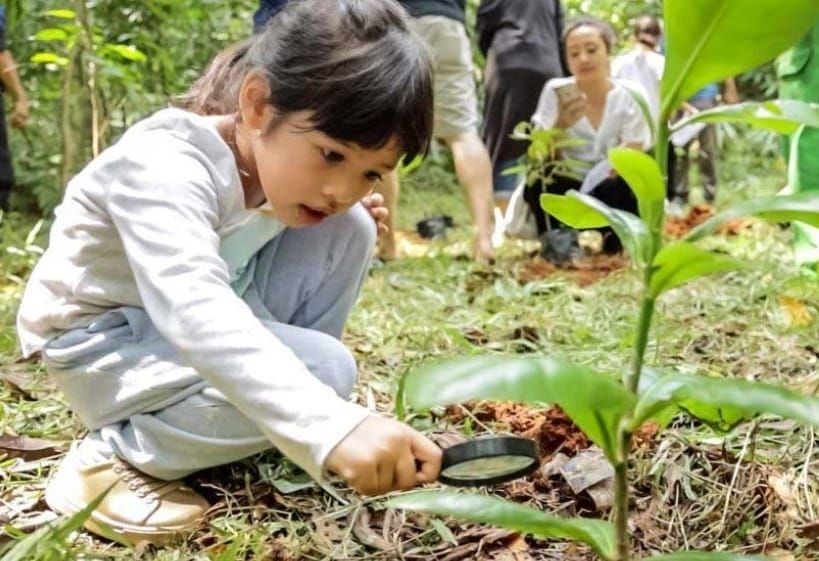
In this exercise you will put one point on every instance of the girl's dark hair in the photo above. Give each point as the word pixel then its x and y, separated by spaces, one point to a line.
pixel 605 30
pixel 647 30
pixel 355 64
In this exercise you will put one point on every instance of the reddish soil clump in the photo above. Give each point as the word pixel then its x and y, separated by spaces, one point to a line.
pixel 551 428
pixel 678 227
pixel 584 272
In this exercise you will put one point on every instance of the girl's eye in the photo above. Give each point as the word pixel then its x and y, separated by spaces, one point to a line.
pixel 374 177
pixel 332 156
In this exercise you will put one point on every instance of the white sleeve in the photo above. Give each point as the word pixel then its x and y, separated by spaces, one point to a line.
pixel 547 110
pixel 635 127
pixel 165 208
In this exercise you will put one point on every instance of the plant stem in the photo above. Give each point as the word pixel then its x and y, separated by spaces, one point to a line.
pixel 643 330
pixel 621 501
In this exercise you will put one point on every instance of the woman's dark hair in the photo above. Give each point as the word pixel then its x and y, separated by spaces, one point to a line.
pixel 355 64
pixel 605 30
pixel 647 30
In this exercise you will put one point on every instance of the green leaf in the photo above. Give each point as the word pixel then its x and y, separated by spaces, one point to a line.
pixel 782 115
pixel 51 34
pixel 707 556
pixel 128 52
pixel 595 402
pixel 711 40
pixel 632 231
pixel 643 175
pixel 680 262
pixel 598 534
pixel 723 402
pixel 803 207
pixel 47 58
pixel 572 212
pixel 62 14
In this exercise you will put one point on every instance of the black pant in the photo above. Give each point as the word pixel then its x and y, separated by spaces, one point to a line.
pixel 6 170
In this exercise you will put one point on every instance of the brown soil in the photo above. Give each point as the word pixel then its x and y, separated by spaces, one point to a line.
pixel 584 272
pixel 551 428
pixel 680 226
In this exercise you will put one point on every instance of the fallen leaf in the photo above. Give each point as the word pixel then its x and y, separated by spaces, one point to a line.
pixel 29 448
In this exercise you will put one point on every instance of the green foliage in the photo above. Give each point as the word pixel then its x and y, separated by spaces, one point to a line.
pixel 722 402
pixel 706 556
pixel 644 177
pixel 596 402
pixel 596 533
pixel 711 40
pixel 543 161
pixel 680 262
pixel 784 116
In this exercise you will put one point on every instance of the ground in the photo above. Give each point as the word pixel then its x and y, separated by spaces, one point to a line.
pixel 750 490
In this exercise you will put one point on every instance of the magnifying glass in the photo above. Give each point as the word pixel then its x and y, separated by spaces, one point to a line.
pixel 488 461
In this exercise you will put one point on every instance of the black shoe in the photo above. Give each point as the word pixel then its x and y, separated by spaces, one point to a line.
pixel 560 246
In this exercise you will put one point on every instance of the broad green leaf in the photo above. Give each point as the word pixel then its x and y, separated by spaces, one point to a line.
pixel 643 175
pixel 707 556
pixel 572 212
pixel 127 52
pixel 51 34
pixel 598 534
pixel 62 14
pixel 711 40
pixel 632 231
pixel 680 262
pixel 782 115
pixel 596 402
pixel 724 402
pixel 46 58
pixel 803 207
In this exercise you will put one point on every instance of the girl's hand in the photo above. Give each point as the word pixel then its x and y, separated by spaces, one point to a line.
pixel 382 455
pixel 375 206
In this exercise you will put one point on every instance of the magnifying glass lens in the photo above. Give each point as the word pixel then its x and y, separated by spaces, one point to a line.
pixel 484 468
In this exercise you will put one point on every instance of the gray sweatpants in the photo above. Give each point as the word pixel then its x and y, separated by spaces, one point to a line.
pixel 136 395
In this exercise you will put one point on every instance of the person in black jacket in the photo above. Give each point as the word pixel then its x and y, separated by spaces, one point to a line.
pixel 9 81
pixel 521 42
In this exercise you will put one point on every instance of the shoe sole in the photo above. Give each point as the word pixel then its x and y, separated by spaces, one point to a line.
pixel 104 526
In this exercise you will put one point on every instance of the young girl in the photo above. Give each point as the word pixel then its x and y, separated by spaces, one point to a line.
pixel 201 270
pixel 599 111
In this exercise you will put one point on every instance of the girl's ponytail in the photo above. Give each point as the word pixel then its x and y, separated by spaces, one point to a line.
pixel 216 91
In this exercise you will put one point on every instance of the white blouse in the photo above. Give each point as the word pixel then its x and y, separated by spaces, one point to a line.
pixel 622 123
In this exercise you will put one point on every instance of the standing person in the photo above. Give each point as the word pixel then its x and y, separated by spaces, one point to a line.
pixel 707 98
pixel 19 117
pixel 798 71
pixel 441 23
pixel 521 42
pixel 592 107
pixel 200 272
pixel 643 63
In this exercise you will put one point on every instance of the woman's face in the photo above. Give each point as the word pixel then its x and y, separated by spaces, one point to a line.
pixel 587 54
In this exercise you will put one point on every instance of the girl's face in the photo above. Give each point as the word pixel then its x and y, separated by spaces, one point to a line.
pixel 306 175
pixel 587 54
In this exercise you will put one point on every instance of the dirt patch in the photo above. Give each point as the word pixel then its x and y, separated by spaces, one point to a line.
pixel 677 227
pixel 584 272
pixel 553 430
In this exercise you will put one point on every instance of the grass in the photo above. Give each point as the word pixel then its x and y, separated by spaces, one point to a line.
pixel 752 489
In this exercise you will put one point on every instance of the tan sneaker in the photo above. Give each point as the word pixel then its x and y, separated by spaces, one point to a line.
pixel 137 508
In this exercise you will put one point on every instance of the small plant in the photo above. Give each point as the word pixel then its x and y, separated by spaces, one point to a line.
pixel 542 161
pixel 707 40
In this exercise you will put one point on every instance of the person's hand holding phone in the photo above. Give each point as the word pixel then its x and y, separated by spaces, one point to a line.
pixel 572 105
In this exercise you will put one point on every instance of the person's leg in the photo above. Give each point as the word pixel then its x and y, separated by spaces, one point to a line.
pixel 616 193
pixel 456 120
pixel 474 171
pixel 707 162
pixel 6 169
pixel 680 187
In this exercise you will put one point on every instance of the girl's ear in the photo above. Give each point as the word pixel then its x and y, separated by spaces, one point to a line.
pixel 254 108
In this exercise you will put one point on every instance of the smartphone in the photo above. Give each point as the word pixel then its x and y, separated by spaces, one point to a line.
pixel 568 93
